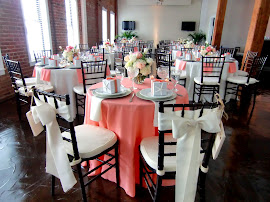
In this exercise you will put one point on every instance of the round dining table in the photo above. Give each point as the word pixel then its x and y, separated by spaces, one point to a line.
pixel 63 80
pixel 131 122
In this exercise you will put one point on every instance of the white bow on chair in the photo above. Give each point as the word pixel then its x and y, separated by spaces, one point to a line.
pixel 57 162
pixel 187 131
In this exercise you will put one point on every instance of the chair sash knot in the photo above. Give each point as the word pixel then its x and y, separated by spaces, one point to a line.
pixel 57 162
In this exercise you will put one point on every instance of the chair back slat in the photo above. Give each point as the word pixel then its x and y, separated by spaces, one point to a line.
pixel 257 67
pixel 212 67
pixel 93 72
pixel 207 144
pixel 83 47
pixel 249 60
pixel 227 50
pixel 164 60
pixel 40 54
pixel 15 72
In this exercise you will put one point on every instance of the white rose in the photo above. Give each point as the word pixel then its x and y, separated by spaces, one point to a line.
pixel 149 61
pixel 145 71
pixel 128 64
pixel 145 50
pixel 133 57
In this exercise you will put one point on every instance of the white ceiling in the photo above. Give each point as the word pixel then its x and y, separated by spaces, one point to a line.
pixel 154 2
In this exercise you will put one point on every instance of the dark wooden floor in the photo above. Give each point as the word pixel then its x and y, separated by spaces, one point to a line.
pixel 241 172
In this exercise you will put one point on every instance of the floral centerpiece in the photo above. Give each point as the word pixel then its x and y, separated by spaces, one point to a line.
pixel 69 53
pixel 132 40
pixel 138 60
pixel 182 41
pixel 107 45
pixel 189 44
pixel 207 50
pixel 123 40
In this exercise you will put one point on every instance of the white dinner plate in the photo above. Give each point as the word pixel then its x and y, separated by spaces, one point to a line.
pixel 99 93
pixel 147 93
pixel 172 97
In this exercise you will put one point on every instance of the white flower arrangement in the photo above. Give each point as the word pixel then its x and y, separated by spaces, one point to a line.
pixel 207 50
pixel 138 60
pixel 69 53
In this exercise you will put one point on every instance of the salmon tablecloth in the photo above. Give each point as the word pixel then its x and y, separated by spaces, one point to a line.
pixel 131 122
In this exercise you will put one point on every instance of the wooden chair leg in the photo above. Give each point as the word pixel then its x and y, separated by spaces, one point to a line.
pixel 77 107
pixel 81 182
pixel 141 172
pixel 158 188
pixel 200 93
pixel 225 91
pixel 254 102
pixel 194 91
pixel 117 166
pixel 53 185
pixel 19 109
pixel 202 177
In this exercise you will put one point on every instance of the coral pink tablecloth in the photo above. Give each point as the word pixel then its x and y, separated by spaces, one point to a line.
pixel 131 122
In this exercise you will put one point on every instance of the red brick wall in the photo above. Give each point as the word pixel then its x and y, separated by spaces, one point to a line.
pixel 13 39
pixel 57 12
pixel 94 18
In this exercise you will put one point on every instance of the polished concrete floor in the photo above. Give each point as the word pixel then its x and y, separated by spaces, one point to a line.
pixel 241 172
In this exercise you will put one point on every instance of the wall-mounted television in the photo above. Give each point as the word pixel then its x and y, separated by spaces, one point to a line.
pixel 128 25
pixel 188 26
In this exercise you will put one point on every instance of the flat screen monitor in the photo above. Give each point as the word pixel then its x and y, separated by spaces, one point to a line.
pixel 188 26
pixel 128 25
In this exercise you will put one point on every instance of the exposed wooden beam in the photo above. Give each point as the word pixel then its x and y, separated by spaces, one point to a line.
pixel 257 28
pixel 220 16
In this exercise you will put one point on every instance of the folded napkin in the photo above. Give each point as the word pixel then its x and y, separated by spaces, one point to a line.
pixel 57 162
pixel 136 49
pixel 232 67
pixel 34 72
pixel 182 65
pixel 95 114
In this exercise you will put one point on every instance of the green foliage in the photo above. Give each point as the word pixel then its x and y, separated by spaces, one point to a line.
pixel 198 36
pixel 127 35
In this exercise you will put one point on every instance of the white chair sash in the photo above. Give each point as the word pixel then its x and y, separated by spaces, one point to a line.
pixel 187 131
pixel 57 162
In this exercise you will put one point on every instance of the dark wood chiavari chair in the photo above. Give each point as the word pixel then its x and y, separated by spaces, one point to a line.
pixel 40 54
pixel 83 143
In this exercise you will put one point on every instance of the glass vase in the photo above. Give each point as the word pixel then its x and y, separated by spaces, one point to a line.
pixel 139 79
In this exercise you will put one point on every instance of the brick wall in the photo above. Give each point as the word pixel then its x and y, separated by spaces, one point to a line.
pixel 13 39
pixel 94 18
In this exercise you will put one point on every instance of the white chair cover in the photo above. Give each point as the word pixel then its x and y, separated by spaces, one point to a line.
pixel 187 130
pixel 57 162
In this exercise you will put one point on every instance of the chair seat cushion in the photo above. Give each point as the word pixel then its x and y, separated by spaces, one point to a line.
pixel 149 151
pixel 241 80
pixel 80 90
pixel 91 140
pixel 206 81
pixel 241 73
pixel 43 87
pixel 28 81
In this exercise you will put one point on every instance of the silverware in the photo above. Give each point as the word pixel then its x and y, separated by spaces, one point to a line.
pixel 179 94
pixel 132 97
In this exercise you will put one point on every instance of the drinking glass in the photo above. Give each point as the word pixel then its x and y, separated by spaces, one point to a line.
pixel 175 74
pixel 163 72
pixel 132 73
pixel 120 73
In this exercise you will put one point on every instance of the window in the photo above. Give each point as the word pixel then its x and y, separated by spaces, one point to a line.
pixel 104 24
pixel 37 26
pixel 72 22
pixel 112 26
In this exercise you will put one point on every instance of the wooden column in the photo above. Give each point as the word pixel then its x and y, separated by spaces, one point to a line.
pixel 257 27
pixel 221 10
